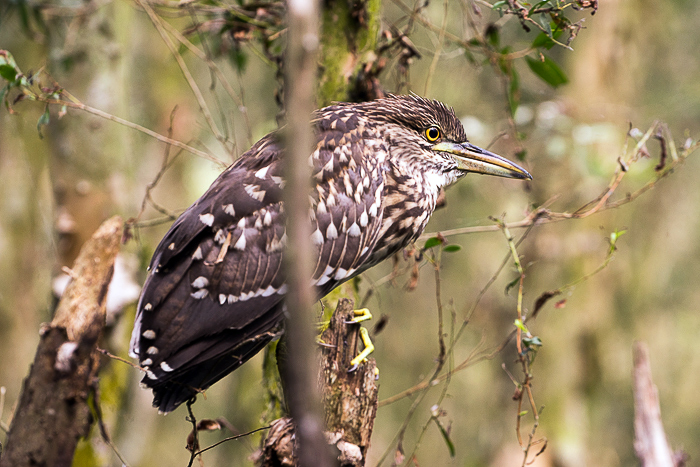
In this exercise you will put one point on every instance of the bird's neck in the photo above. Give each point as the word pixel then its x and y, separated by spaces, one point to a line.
pixel 409 201
pixel 421 186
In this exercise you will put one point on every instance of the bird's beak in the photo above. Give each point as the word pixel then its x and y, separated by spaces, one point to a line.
pixel 474 159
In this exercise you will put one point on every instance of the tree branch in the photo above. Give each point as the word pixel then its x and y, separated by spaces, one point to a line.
pixel 300 373
pixel 650 442
pixel 349 397
pixel 53 412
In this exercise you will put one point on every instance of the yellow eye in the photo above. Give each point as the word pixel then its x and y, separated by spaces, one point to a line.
pixel 433 134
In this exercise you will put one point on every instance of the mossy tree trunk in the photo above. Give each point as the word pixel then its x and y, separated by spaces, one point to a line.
pixel 348 38
pixel 350 398
pixel 349 34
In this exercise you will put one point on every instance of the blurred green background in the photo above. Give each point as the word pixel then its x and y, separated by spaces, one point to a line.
pixel 632 63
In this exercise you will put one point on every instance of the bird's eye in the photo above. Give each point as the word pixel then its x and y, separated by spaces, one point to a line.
pixel 433 134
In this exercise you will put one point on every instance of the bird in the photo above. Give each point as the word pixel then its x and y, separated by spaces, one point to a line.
pixel 215 290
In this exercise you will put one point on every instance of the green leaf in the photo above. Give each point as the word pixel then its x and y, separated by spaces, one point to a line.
pixel 512 284
pixel 446 437
pixel 543 20
pixel 614 237
pixel 531 342
pixel 519 324
pixel 8 72
pixel 470 57
pixel 548 71
pixel 43 120
pixel 492 35
pixel 546 40
pixel 431 242
pixel 451 248
pixel 543 40
pixel 497 5
pixel 514 91
pixel 536 6
pixel 238 58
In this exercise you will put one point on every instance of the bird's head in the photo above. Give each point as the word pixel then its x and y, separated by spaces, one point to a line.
pixel 427 135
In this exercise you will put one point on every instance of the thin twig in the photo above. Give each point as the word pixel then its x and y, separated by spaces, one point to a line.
pixel 158 23
pixel 195 443
pixel 167 162
pixel 468 45
pixel 155 221
pixel 470 359
pixel 476 356
pixel 524 356
pixel 120 359
pixel 134 126
pixel 543 215
pixel 438 49
pixel 398 439
pixel 214 69
pixel 97 409
pixel 232 438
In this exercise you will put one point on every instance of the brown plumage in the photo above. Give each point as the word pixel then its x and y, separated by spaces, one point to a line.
pixel 215 293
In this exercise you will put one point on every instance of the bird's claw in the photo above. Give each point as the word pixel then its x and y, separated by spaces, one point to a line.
pixel 362 356
pixel 363 314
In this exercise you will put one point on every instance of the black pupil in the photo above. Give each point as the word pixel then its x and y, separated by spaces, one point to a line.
pixel 433 133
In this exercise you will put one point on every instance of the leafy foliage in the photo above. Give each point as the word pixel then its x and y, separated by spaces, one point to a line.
pixel 548 70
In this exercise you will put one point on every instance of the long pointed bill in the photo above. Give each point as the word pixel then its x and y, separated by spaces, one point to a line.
pixel 474 159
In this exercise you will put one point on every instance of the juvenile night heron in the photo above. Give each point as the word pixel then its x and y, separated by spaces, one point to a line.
pixel 215 293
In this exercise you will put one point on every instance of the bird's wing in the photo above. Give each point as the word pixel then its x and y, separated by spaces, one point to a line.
pixel 214 294
pixel 215 283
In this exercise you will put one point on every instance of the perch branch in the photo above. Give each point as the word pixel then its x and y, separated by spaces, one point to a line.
pixel 349 398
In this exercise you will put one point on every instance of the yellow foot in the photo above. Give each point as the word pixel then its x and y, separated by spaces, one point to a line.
pixel 361 315
pixel 362 356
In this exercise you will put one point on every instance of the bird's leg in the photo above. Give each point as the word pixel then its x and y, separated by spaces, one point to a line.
pixel 362 314
pixel 362 356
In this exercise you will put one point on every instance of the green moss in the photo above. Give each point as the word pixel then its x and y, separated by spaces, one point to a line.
pixel 85 455
pixel 272 385
pixel 346 36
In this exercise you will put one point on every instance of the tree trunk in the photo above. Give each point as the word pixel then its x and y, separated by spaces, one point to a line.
pixel 349 34
pixel 349 397
pixel 53 412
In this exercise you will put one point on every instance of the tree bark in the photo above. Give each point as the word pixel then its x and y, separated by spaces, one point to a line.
pixel 349 397
pixel 349 34
pixel 53 412
pixel 299 373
